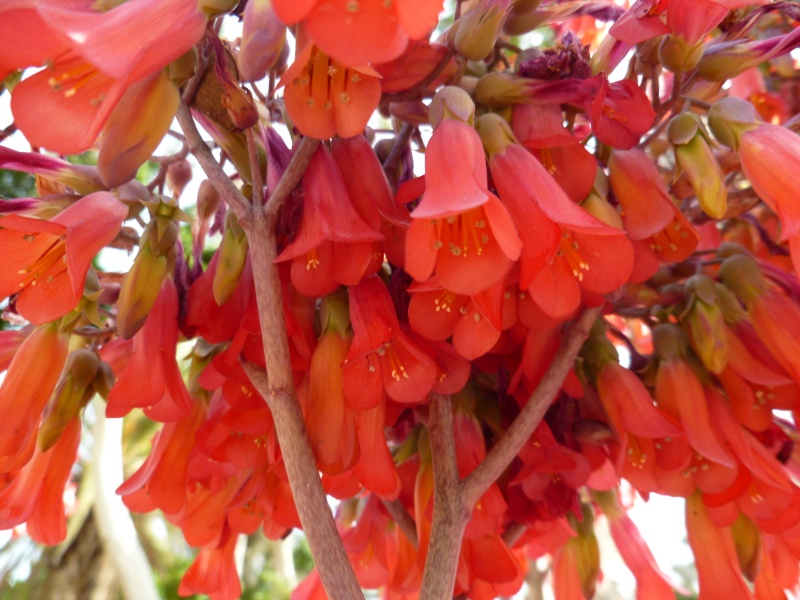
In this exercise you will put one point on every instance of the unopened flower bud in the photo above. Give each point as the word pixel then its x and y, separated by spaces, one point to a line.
pixel 335 312
pixel 706 323
pixel 263 40
pixel 158 252
pixel 208 200
pixel 179 174
pixel 478 30
pixel 216 8
pixel 181 69
pixel 747 540
pixel 413 112
pixel 495 133
pixel 232 258
pixel 126 142
pixel 698 162
pixel 677 55
pixel 70 396
pixel 742 275
pixel 647 52
pixel 451 103
pixel 499 90
pixel 730 118
pixel 668 341
pixel 682 128
pixel 524 17
pixel 721 62
pixel 139 291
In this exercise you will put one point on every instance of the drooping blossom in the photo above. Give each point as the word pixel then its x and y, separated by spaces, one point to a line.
pixel 368 31
pixel 770 158
pixel 372 196
pixel 162 394
pixel 330 419
pixel 92 58
pixel 213 572
pixel 651 582
pixel 565 248
pixel 47 261
pixel 382 358
pixel 540 129
pixel 715 555
pixel 414 65
pixel 654 223
pixel 27 387
pixel 459 230
pixel 325 98
pixel 620 112
pixel 473 322
pixel 35 494
pixel 334 246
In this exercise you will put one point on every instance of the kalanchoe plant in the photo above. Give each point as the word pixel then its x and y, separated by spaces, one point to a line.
pixel 471 284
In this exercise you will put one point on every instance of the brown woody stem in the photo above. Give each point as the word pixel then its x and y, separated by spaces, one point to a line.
pixel 255 168
pixel 213 170
pixel 403 520
pixel 302 155
pixel 278 390
pixel 450 514
pixel 399 148
pixel 504 451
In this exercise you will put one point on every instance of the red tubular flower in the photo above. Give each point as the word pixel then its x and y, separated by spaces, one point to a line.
pixel 540 129
pixel 651 219
pixel 83 179
pixel 371 194
pixel 375 469
pixel 162 480
pixel 770 159
pixel 334 245
pixel 25 391
pixel 460 230
pixel 213 572
pixel 680 393
pixel 629 405
pixel 370 31
pixel 705 16
pixel 381 357
pixel 162 394
pixel 47 261
pixel 36 494
pixel 714 554
pixel 566 249
pixel 474 323
pixel 620 112
pixel 92 58
pixel 776 319
pixel 642 21
pixel 330 420
pixel 651 582
pixel 412 67
pixel 324 98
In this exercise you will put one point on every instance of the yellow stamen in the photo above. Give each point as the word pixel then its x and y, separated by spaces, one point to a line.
pixel 570 249
pixel 313 261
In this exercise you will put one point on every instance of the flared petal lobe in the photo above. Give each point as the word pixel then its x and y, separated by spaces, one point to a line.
pixel 324 98
pixel 47 261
